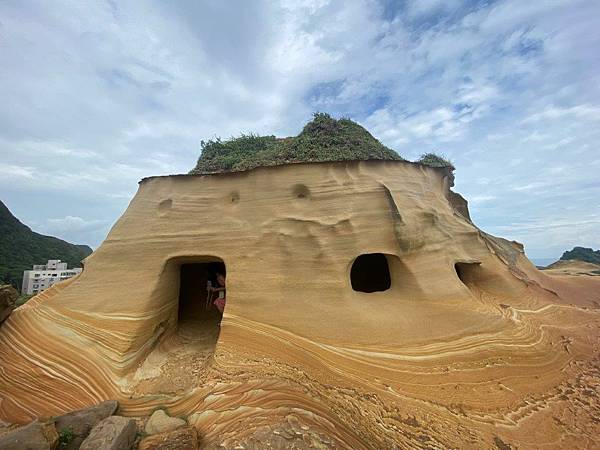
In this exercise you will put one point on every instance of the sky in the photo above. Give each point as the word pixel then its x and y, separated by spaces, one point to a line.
pixel 97 95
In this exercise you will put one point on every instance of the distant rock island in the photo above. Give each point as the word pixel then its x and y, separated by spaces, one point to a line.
pixel 21 248
pixel 582 254
pixel 576 262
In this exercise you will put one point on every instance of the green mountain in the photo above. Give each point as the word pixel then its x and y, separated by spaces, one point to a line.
pixel 21 248
pixel 582 254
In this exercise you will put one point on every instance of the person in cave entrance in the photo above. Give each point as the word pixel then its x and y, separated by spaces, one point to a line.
pixel 219 291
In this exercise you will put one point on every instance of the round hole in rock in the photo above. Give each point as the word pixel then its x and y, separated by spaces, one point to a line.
pixel 370 273
pixel 301 191
pixel 234 197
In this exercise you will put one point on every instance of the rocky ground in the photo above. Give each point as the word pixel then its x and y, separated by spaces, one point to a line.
pixel 100 428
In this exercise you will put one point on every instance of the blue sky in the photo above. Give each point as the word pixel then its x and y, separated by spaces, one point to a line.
pixel 96 95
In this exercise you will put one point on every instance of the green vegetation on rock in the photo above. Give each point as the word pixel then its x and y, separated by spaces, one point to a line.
pixel 23 299
pixel 65 437
pixel 582 254
pixel 21 248
pixel 322 139
pixel 434 160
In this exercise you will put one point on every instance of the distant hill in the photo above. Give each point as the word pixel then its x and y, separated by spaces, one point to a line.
pixel 582 254
pixel 21 248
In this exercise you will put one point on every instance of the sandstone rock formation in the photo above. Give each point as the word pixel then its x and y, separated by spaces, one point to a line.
pixel 182 438
pixel 364 310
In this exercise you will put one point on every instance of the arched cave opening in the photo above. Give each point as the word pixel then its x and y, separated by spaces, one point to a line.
pixel 198 318
pixel 370 273
pixel 468 272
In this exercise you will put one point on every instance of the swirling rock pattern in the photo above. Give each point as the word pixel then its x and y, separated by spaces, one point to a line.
pixel 489 353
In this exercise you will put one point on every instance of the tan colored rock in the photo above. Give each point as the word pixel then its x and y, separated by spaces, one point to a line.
pixel 8 297
pixel 35 436
pixel 470 344
pixel 112 433
pixel 185 438
pixel 160 422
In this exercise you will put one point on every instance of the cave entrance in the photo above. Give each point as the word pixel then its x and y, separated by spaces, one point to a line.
pixel 198 319
pixel 468 272
pixel 370 273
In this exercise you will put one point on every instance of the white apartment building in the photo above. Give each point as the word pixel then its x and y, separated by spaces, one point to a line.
pixel 45 275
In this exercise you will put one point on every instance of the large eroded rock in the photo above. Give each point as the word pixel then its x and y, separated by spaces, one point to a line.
pixel 79 423
pixel 112 433
pixel 35 436
pixel 160 422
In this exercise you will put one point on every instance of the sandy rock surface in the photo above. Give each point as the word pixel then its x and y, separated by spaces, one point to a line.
pixel 185 438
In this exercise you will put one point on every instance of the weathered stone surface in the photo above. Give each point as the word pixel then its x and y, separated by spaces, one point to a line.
pixel 35 436
pixel 185 438
pixel 81 422
pixel 8 297
pixel 160 422
pixel 470 342
pixel 112 433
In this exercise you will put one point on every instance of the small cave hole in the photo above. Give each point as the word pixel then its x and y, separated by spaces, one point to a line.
pixel 199 314
pixel 370 273
pixel 234 197
pixel 301 191
pixel 468 272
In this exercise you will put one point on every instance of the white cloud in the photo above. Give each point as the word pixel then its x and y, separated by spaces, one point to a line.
pixel 71 223
pixel 107 93
pixel 581 112
pixel 12 172
pixel 422 8
pixel 476 199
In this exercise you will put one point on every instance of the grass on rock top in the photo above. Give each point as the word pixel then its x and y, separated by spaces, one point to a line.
pixel 433 160
pixel 322 139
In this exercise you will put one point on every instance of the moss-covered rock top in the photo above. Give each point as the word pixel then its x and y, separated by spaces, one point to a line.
pixel 322 139
pixel 433 160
